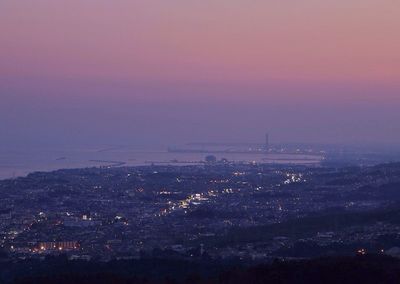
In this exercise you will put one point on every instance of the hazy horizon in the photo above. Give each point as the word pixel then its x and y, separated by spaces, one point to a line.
pixel 152 73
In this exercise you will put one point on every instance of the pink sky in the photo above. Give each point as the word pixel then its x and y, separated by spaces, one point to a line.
pixel 208 40
pixel 328 55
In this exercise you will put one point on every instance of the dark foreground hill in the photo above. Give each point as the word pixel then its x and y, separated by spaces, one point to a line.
pixel 360 269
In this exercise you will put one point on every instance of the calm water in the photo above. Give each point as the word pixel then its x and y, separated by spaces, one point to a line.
pixel 15 163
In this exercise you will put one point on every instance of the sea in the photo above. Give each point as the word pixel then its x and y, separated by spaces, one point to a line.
pixel 20 162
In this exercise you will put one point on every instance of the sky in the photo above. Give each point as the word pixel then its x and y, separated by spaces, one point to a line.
pixel 157 72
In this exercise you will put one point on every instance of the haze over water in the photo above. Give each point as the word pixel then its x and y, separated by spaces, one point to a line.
pixel 17 163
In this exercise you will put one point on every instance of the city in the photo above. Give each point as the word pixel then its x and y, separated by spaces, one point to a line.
pixel 200 211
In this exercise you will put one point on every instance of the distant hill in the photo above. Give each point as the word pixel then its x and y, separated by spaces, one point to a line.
pixel 308 226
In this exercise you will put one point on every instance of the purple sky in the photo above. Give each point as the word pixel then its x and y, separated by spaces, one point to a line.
pixel 164 72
